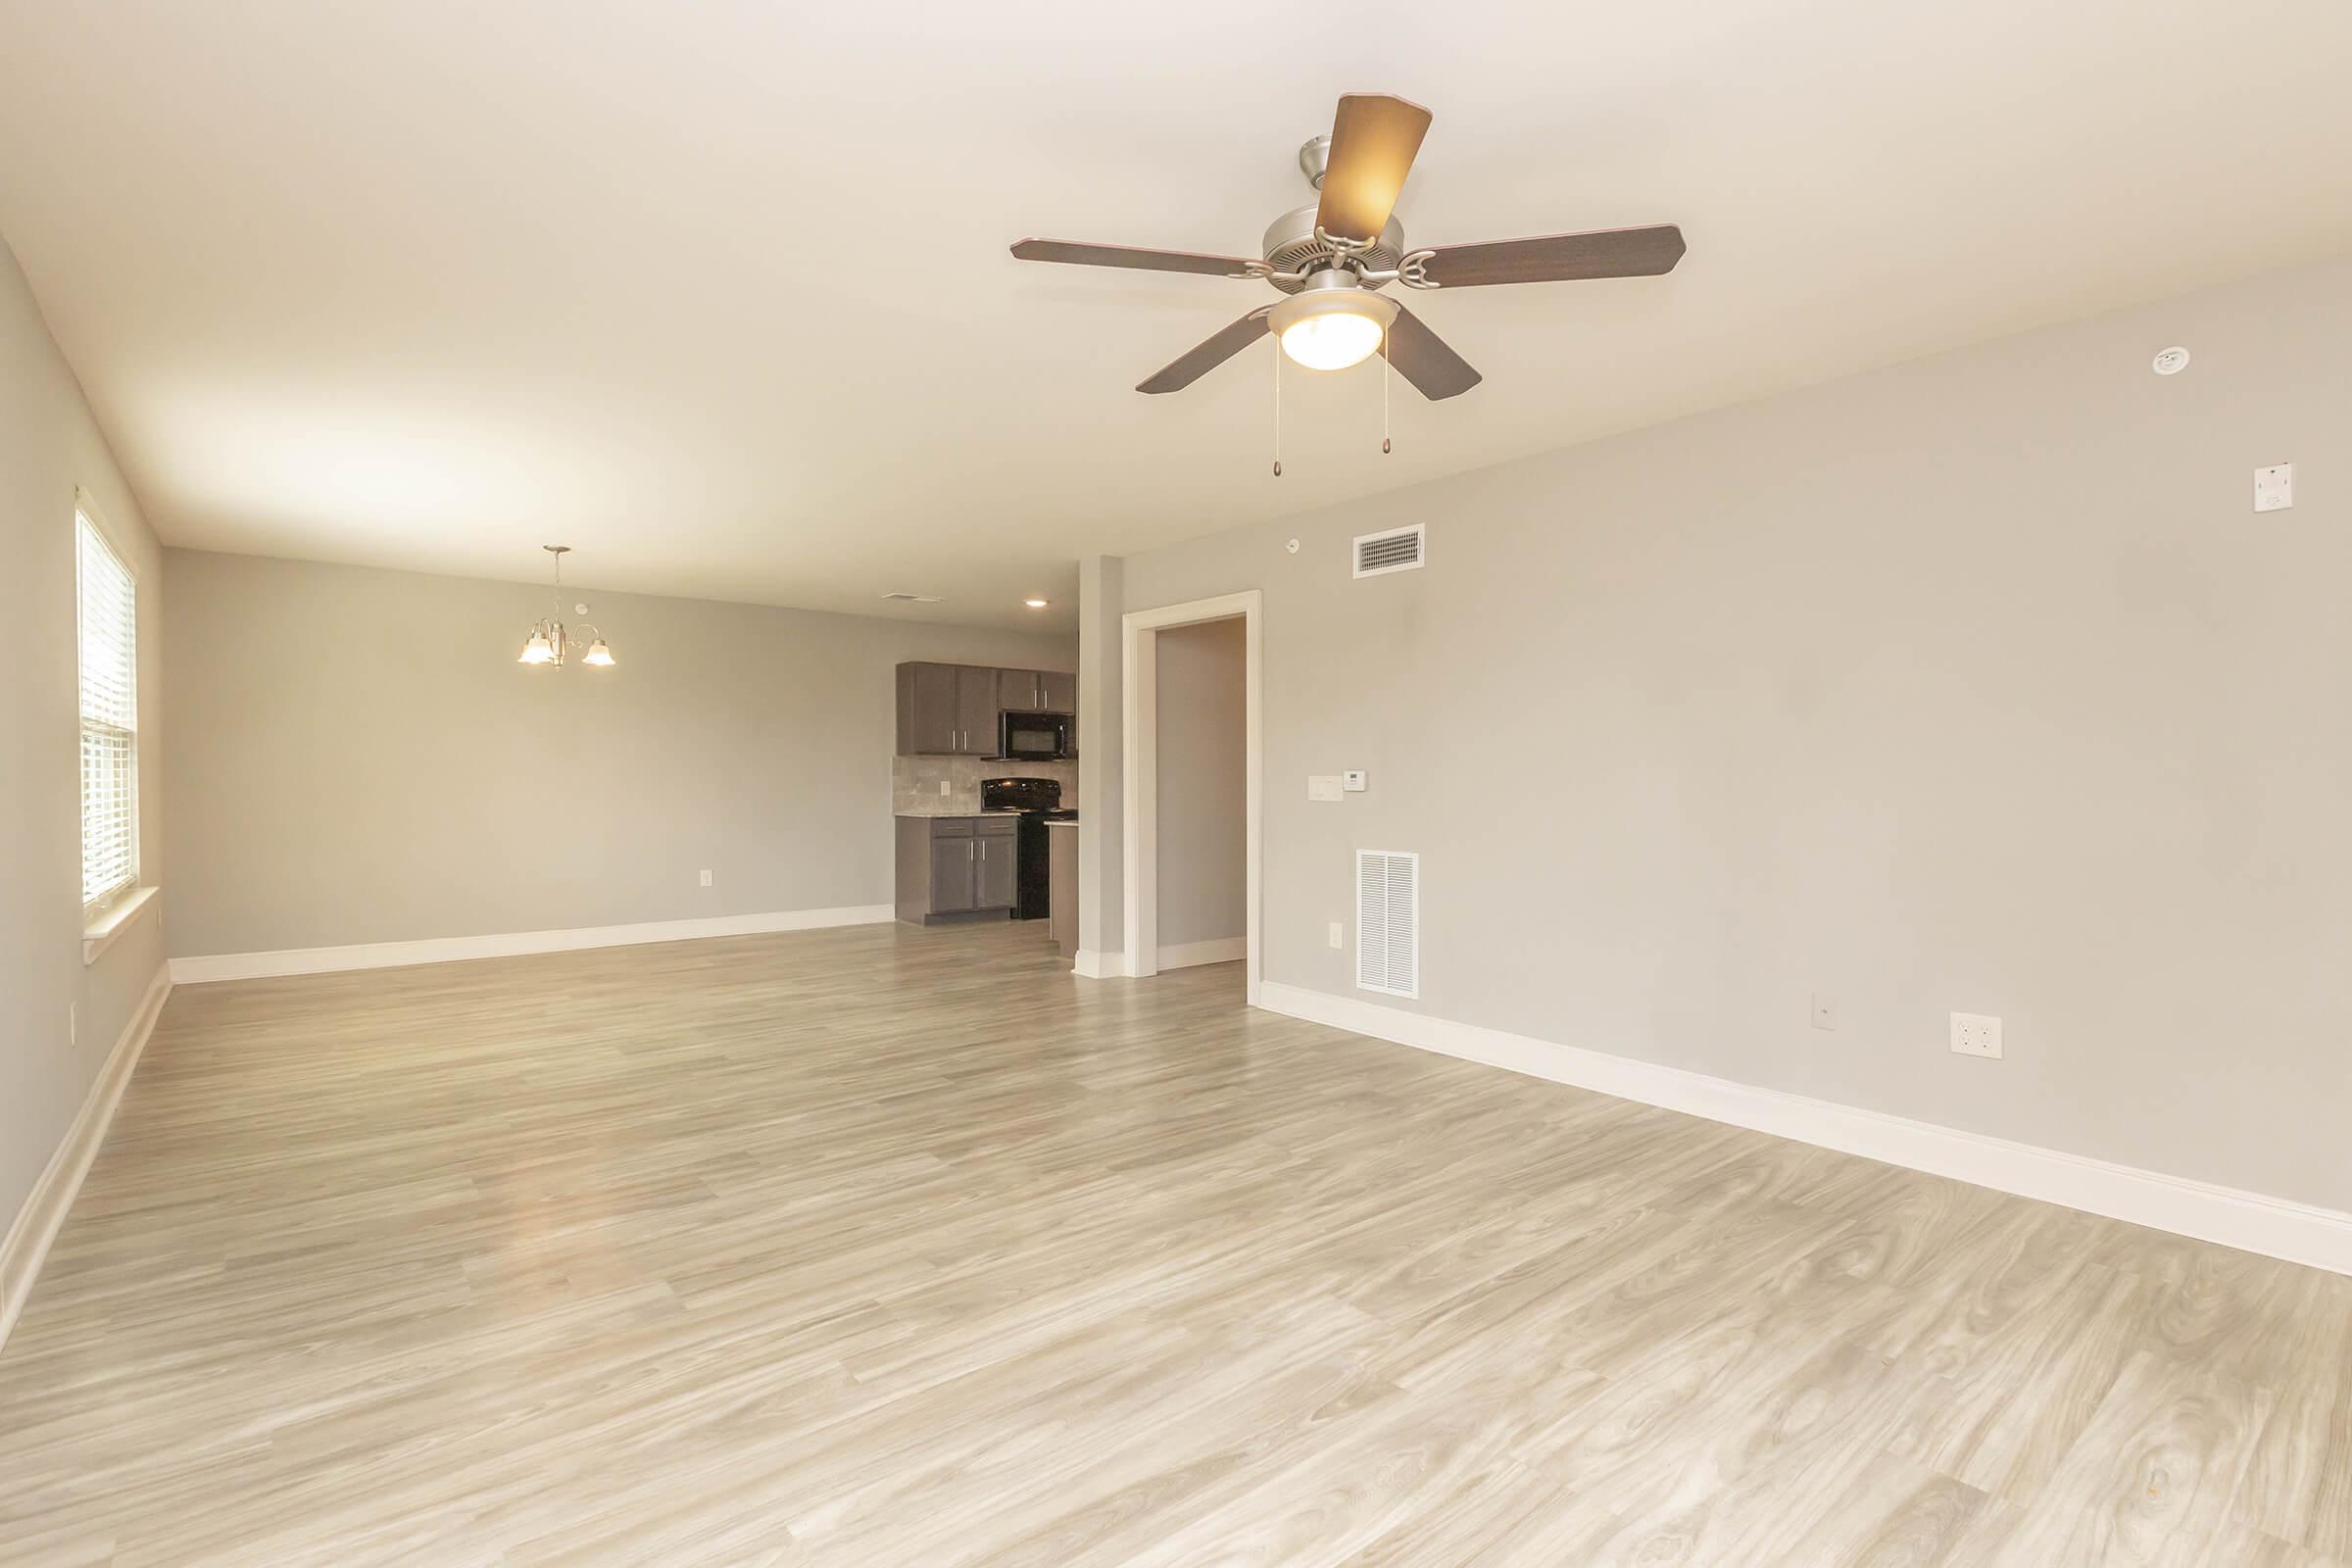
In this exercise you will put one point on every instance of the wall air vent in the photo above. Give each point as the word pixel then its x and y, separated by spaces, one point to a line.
pixel 912 599
pixel 1387 922
pixel 1397 549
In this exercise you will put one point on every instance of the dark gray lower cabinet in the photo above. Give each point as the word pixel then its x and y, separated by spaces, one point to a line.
pixel 957 867
pixel 955 879
pixel 999 883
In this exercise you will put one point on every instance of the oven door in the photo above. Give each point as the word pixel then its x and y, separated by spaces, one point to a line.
pixel 1034 737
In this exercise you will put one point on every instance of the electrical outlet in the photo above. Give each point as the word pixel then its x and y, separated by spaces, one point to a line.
pixel 946 787
pixel 1339 934
pixel 705 879
pixel 1976 1034
pixel 1825 1011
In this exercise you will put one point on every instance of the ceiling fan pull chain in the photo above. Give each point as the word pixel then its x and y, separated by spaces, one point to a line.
pixel 1277 411
pixel 1388 372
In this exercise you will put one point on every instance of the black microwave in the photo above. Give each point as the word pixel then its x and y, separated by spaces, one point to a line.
pixel 1033 737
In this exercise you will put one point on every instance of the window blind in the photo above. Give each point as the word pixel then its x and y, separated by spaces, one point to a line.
pixel 110 715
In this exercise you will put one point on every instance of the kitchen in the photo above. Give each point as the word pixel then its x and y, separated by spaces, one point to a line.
pixel 986 759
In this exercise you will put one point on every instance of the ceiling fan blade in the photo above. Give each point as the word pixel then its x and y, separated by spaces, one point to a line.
pixel 1078 253
pixel 1558 258
pixel 1373 141
pixel 1422 358
pixel 1202 358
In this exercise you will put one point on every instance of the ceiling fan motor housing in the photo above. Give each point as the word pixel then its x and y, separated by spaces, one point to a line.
pixel 1291 245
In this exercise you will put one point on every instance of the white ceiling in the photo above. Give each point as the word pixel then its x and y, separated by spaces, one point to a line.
pixel 718 293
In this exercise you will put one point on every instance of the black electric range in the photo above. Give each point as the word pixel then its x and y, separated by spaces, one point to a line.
pixel 1039 801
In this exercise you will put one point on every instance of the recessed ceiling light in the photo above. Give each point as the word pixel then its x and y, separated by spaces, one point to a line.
pixel 1034 604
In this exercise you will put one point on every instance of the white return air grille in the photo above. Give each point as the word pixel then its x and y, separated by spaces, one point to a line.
pixel 1387 922
pixel 1398 550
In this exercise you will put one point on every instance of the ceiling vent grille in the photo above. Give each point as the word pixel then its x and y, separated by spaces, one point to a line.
pixel 1397 549
pixel 1387 922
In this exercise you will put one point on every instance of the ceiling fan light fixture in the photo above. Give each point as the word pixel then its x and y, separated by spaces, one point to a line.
pixel 1334 327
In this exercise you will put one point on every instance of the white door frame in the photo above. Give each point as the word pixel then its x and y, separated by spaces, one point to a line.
pixel 1139 666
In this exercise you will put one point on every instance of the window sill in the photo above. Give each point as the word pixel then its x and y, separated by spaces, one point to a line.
pixel 100 931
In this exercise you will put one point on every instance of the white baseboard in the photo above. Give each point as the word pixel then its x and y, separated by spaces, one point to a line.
pixel 44 1212
pixel 511 944
pixel 2275 1227
pixel 1219 949
pixel 1098 965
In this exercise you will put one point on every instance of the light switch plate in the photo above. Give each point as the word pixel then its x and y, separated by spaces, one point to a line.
pixel 1976 1034
pixel 2274 487
pixel 1323 786
pixel 1339 934
pixel 705 879
pixel 1355 781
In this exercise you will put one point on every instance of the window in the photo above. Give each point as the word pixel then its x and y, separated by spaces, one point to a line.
pixel 110 715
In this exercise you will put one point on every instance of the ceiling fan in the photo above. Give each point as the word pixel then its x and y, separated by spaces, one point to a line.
pixel 1331 257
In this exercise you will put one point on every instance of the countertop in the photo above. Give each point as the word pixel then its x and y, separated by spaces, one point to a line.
pixel 952 812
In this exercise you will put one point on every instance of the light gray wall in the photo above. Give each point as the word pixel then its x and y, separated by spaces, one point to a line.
pixel 1100 870
pixel 1202 785
pixel 1973 683
pixel 362 760
pixel 49 444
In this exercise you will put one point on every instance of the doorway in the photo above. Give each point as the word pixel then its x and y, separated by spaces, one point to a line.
pixel 1193 782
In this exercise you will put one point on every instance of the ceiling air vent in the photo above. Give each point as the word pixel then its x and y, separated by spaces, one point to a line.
pixel 1387 922
pixel 912 599
pixel 1398 550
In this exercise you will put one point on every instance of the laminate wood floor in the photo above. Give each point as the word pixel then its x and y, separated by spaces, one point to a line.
pixel 892 1247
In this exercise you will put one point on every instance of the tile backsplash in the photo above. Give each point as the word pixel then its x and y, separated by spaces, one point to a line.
pixel 915 782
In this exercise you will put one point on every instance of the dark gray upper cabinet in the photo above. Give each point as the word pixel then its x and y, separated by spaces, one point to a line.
pixel 951 710
pixel 1021 691
pixel 976 711
pixel 928 715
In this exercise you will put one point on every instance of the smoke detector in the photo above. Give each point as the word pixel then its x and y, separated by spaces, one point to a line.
pixel 2172 362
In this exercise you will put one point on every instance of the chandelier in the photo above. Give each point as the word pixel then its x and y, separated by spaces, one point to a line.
pixel 549 641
